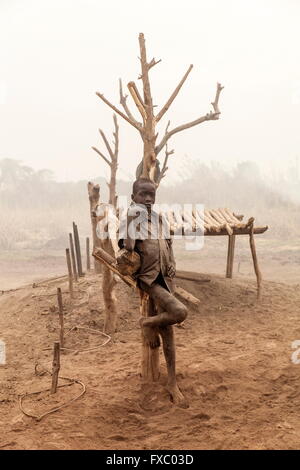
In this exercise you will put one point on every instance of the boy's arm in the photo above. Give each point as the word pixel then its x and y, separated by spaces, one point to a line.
pixel 127 243
pixel 171 268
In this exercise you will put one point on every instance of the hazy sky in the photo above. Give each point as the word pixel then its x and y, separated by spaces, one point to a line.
pixel 55 54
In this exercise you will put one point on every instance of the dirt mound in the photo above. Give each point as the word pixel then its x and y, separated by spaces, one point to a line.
pixel 233 364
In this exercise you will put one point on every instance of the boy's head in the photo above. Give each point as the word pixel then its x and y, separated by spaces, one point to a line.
pixel 143 192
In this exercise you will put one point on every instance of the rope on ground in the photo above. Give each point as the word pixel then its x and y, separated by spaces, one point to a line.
pixel 71 382
pixel 88 349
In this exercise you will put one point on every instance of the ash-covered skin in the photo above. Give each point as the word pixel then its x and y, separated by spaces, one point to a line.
pixel 155 277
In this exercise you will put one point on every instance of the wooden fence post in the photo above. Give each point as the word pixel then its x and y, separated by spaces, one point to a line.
pixel 61 317
pixel 74 268
pixel 56 366
pixel 77 249
pixel 88 261
pixel 70 273
pixel 230 256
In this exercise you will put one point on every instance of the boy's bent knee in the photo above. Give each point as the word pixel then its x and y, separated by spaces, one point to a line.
pixel 181 313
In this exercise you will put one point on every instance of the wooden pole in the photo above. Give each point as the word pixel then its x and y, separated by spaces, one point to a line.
pixel 88 261
pixel 150 357
pixel 74 268
pixel 255 262
pixel 56 366
pixel 230 256
pixel 70 273
pixel 77 249
pixel 61 317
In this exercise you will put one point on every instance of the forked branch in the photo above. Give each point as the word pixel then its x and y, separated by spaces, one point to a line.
pixel 123 102
pixel 149 65
pixel 111 154
pixel 212 115
pixel 215 103
pixel 116 136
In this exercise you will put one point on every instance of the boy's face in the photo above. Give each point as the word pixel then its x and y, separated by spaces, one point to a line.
pixel 145 194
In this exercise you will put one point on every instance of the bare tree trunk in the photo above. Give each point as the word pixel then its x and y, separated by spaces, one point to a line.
pixel 109 297
pixel 108 280
pixel 94 197
pixel 149 136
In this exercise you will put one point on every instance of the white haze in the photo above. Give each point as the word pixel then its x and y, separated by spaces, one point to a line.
pixel 55 54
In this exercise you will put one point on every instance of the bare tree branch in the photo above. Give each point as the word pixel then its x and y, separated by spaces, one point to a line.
pixel 116 136
pixel 101 155
pixel 114 165
pixel 211 116
pixel 173 96
pixel 215 103
pixel 149 65
pixel 106 144
pixel 153 62
pixel 167 154
pixel 123 99
pixel 137 99
pixel 133 123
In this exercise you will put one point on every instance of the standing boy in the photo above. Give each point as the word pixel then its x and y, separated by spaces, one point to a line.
pixel 145 235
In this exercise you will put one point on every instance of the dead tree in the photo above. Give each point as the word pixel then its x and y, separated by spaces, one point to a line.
pixel 151 149
pixel 108 281
pixel 144 104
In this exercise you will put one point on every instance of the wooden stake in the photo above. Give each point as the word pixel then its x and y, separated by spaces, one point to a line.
pixel 74 268
pixel 61 316
pixel 255 262
pixel 230 256
pixel 183 294
pixel 77 250
pixel 56 366
pixel 88 261
pixel 150 357
pixel 70 273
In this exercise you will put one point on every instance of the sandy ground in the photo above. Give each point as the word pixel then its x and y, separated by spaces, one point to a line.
pixel 233 364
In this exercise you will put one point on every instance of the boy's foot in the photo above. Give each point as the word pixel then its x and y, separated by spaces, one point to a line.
pixel 177 397
pixel 150 334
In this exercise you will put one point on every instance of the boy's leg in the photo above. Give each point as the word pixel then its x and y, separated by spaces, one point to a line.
pixel 170 311
pixel 151 334
pixel 173 311
pixel 167 335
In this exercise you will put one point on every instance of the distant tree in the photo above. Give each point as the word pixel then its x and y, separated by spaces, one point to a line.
pixel 247 171
pixel 11 172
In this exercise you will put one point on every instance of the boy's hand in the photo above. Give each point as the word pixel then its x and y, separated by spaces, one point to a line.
pixel 171 270
pixel 128 262
pixel 122 257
